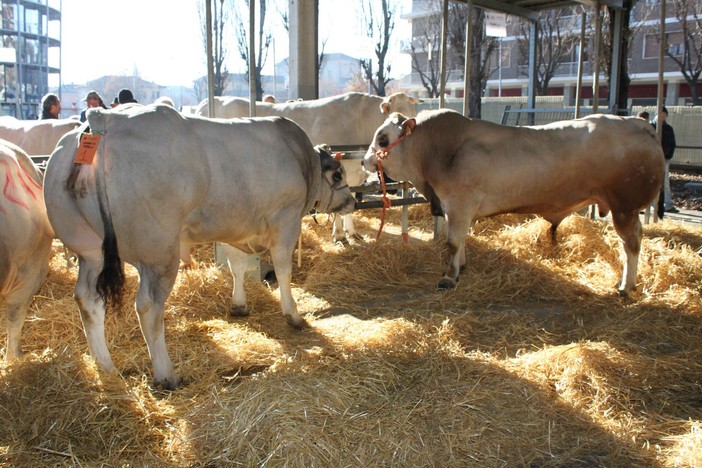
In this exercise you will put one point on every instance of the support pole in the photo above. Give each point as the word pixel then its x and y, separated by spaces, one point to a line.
pixel 210 64
pixel 304 79
pixel 252 58
pixel 581 56
pixel 468 59
pixel 531 87
pixel 662 42
pixel 444 51
pixel 596 68
pixel 616 64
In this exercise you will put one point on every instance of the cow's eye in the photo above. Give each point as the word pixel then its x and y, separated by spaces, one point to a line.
pixel 383 141
pixel 337 176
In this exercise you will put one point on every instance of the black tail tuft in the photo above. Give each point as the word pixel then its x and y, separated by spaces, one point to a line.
pixel 110 281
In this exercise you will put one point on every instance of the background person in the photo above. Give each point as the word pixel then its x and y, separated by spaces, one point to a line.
pixel 125 96
pixel 51 106
pixel 668 142
pixel 92 99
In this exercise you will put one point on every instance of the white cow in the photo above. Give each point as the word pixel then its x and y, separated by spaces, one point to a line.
pixel 165 100
pixel 160 179
pixel 347 119
pixel 25 239
pixel 35 137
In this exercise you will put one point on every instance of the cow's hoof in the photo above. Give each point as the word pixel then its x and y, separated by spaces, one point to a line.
pixel 296 322
pixel 342 241
pixel 238 311
pixel 191 265
pixel 624 294
pixel 446 283
pixel 11 357
pixel 358 237
pixel 169 384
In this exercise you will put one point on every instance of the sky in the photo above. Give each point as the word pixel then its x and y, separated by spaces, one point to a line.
pixel 162 40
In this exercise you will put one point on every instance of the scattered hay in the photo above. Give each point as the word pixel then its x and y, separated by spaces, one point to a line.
pixel 531 360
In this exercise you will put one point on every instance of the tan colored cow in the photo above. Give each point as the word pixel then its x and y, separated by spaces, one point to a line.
pixel 471 169
pixel 25 239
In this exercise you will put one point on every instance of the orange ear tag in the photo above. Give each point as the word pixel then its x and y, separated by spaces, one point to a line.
pixel 87 148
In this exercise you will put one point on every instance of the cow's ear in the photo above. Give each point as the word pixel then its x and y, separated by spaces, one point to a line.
pixel 408 126
pixel 327 161
pixel 386 105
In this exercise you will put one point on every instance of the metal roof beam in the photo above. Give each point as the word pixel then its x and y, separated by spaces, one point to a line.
pixel 609 3
pixel 505 8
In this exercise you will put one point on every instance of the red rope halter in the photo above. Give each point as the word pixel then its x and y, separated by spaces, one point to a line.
pixel 382 155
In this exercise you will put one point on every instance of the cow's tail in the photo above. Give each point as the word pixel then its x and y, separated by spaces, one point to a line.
pixel 110 281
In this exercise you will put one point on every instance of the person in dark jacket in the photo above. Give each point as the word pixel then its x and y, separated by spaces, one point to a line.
pixel 125 96
pixel 665 200
pixel 51 106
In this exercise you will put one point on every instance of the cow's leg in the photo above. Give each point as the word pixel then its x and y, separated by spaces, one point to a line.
pixel 281 254
pixel 31 275
pixel 338 229
pixel 92 309
pixel 186 258
pixel 16 314
pixel 350 228
pixel 155 284
pixel 238 262
pixel 457 228
pixel 628 227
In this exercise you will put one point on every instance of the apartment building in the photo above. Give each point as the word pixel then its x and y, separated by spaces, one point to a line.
pixel 508 76
pixel 29 54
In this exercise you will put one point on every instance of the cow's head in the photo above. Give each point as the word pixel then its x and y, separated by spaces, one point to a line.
pixel 335 195
pixel 390 134
pixel 399 102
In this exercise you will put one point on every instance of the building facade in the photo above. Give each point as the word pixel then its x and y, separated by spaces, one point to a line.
pixel 507 62
pixel 29 54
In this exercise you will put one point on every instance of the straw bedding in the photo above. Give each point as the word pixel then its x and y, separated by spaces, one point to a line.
pixel 532 360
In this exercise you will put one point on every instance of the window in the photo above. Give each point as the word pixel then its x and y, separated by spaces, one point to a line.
pixel 674 40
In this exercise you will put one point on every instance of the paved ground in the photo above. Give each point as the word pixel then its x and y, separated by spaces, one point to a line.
pixel 686 216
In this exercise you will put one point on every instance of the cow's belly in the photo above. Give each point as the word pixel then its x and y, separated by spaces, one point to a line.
pixel 538 199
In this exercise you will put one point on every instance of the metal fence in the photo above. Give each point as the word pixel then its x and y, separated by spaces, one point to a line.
pixel 520 117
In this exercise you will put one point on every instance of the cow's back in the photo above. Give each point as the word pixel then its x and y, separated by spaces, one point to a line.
pixel 208 177
pixel 345 119
pixel 35 137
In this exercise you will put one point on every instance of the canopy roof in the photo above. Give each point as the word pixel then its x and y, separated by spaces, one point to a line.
pixel 531 8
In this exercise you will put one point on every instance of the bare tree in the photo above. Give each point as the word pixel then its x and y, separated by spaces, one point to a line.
pixel 689 59
pixel 263 43
pixel 425 49
pixel 200 89
pixel 558 33
pixel 481 47
pixel 220 18
pixel 379 24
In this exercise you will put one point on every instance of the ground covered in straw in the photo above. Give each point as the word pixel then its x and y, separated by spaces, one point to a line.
pixel 531 361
